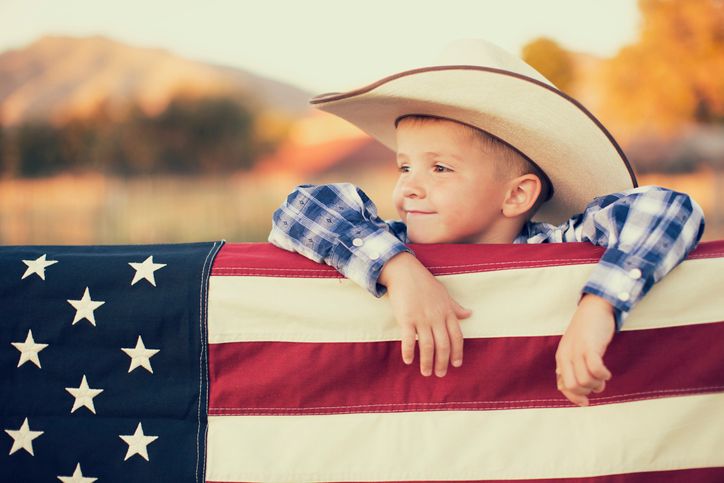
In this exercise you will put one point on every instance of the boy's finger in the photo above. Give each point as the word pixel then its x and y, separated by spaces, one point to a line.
pixel 427 345
pixel 600 388
pixel 456 341
pixel 408 344
pixel 596 366
pixel 568 379
pixel 570 383
pixel 460 311
pixel 584 378
pixel 574 398
pixel 442 349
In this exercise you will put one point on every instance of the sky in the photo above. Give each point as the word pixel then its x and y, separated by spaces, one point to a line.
pixel 323 45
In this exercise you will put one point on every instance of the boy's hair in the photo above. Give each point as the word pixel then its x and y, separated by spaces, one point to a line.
pixel 510 163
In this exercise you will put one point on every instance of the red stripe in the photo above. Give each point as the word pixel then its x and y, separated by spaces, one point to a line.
pixel 264 259
pixel 497 373
pixel 697 475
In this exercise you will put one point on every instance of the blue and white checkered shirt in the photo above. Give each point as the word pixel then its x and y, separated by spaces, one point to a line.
pixel 647 232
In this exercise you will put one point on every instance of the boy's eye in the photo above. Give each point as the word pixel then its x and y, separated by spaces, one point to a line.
pixel 438 168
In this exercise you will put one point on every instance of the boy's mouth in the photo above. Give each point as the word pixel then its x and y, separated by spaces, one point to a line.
pixel 417 212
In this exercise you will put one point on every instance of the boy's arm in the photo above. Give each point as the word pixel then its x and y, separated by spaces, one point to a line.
pixel 337 224
pixel 647 231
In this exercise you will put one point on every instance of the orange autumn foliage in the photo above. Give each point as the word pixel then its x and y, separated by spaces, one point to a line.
pixel 674 74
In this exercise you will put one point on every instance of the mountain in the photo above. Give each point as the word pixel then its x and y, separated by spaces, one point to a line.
pixel 57 77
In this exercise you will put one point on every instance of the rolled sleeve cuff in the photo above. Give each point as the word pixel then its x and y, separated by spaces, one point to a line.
pixel 621 278
pixel 361 254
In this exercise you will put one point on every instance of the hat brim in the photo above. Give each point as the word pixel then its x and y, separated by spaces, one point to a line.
pixel 580 157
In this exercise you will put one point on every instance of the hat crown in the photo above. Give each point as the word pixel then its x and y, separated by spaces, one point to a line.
pixel 481 53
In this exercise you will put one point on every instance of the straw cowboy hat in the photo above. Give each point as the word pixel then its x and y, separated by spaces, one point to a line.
pixel 479 84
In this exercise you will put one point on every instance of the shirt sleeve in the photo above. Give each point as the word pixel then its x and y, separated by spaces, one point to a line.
pixel 337 224
pixel 647 231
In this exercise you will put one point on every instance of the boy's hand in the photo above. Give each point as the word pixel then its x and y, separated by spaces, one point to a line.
pixel 579 359
pixel 422 306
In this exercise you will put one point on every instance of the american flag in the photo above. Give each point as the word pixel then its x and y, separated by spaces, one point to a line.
pixel 246 363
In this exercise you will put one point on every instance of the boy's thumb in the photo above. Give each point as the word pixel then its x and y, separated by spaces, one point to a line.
pixel 461 312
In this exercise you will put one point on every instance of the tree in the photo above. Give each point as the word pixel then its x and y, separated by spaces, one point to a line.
pixel 207 135
pixel 40 151
pixel 212 135
pixel 551 60
pixel 674 74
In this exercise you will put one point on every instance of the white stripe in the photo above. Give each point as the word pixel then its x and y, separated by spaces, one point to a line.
pixel 521 302
pixel 651 435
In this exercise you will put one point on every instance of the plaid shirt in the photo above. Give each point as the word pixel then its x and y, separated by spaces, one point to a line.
pixel 647 231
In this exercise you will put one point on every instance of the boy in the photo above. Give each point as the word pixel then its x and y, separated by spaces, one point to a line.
pixel 484 144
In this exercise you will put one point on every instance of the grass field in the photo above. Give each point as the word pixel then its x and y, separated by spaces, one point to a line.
pixel 92 209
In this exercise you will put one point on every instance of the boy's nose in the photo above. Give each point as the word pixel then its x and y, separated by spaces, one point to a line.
pixel 413 188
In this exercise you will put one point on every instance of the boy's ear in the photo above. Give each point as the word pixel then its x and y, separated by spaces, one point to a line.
pixel 521 195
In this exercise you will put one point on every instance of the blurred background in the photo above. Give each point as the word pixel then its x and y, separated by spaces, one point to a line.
pixel 145 122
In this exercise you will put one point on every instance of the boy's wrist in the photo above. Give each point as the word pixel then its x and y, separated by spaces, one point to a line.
pixel 593 303
pixel 601 300
pixel 590 299
pixel 400 262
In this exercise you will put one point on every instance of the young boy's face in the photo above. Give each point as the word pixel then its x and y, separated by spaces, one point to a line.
pixel 447 191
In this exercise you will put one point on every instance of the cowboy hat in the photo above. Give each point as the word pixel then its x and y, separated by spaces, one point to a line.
pixel 477 83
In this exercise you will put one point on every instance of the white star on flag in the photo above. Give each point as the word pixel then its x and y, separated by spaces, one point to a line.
pixel 29 350
pixel 84 308
pixel 37 266
pixel 77 477
pixel 140 356
pixel 23 438
pixel 137 443
pixel 83 395
pixel 145 270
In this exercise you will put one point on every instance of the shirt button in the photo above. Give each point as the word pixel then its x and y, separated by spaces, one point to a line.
pixel 357 242
pixel 374 256
pixel 634 273
pixel 623 296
